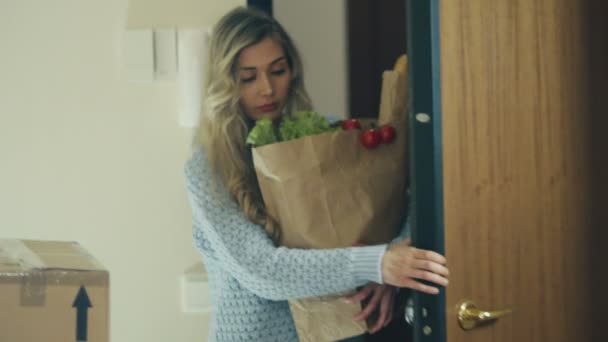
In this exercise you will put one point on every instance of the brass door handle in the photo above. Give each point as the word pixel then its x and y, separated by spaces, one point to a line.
pixel 469 316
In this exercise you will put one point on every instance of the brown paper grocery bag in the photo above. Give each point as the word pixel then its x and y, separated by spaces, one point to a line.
pixel 329 191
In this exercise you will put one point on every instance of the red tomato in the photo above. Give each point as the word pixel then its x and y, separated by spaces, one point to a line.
pixel 370 138
pixel 387 134
pixel 351 124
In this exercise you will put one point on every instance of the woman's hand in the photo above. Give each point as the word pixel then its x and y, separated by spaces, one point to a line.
pixel 403 265
pixel 383 295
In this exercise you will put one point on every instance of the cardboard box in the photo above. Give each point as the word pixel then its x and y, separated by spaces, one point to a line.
pixel 52 291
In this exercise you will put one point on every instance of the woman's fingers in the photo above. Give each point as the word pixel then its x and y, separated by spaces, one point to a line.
pixel 361 295
pixel 369 307
pixel 389 319
pixel 429 276
pixel 418 286
pixel 386 308
pixel 403 265
pixel 431 267
pixel 423 254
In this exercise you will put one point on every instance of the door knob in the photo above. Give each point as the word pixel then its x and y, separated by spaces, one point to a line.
pixel 470 317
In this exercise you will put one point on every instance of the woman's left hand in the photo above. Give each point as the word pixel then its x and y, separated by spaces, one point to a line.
pixel 383 295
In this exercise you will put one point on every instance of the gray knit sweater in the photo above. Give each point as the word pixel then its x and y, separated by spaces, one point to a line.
pixel 251 278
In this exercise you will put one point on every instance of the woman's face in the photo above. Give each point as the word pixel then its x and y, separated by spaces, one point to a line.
pixel 265 78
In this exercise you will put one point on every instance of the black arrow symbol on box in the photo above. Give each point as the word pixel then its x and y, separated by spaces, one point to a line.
pixel 82 305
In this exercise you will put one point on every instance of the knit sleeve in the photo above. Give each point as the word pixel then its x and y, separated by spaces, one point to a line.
pixel 244 250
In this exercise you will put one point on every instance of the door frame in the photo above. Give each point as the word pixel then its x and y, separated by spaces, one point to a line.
pixel 426 156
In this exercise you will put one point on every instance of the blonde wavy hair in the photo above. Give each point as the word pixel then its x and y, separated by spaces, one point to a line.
pixel 223 125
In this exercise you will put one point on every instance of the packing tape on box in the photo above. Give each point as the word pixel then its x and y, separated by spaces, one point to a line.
pixel 20 264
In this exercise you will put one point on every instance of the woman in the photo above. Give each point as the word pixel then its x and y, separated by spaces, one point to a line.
pixel 255 72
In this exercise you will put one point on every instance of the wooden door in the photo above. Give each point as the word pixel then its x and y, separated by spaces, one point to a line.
pixel 507 97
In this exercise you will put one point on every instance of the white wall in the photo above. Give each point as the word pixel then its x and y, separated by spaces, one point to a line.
pixel 86 155
pixel 318 28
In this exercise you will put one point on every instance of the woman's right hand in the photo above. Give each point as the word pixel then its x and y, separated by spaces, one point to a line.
pixel 404 265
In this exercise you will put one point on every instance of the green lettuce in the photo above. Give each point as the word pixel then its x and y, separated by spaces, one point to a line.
pixel 263 133
pixel 303 124
pixel 291 127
